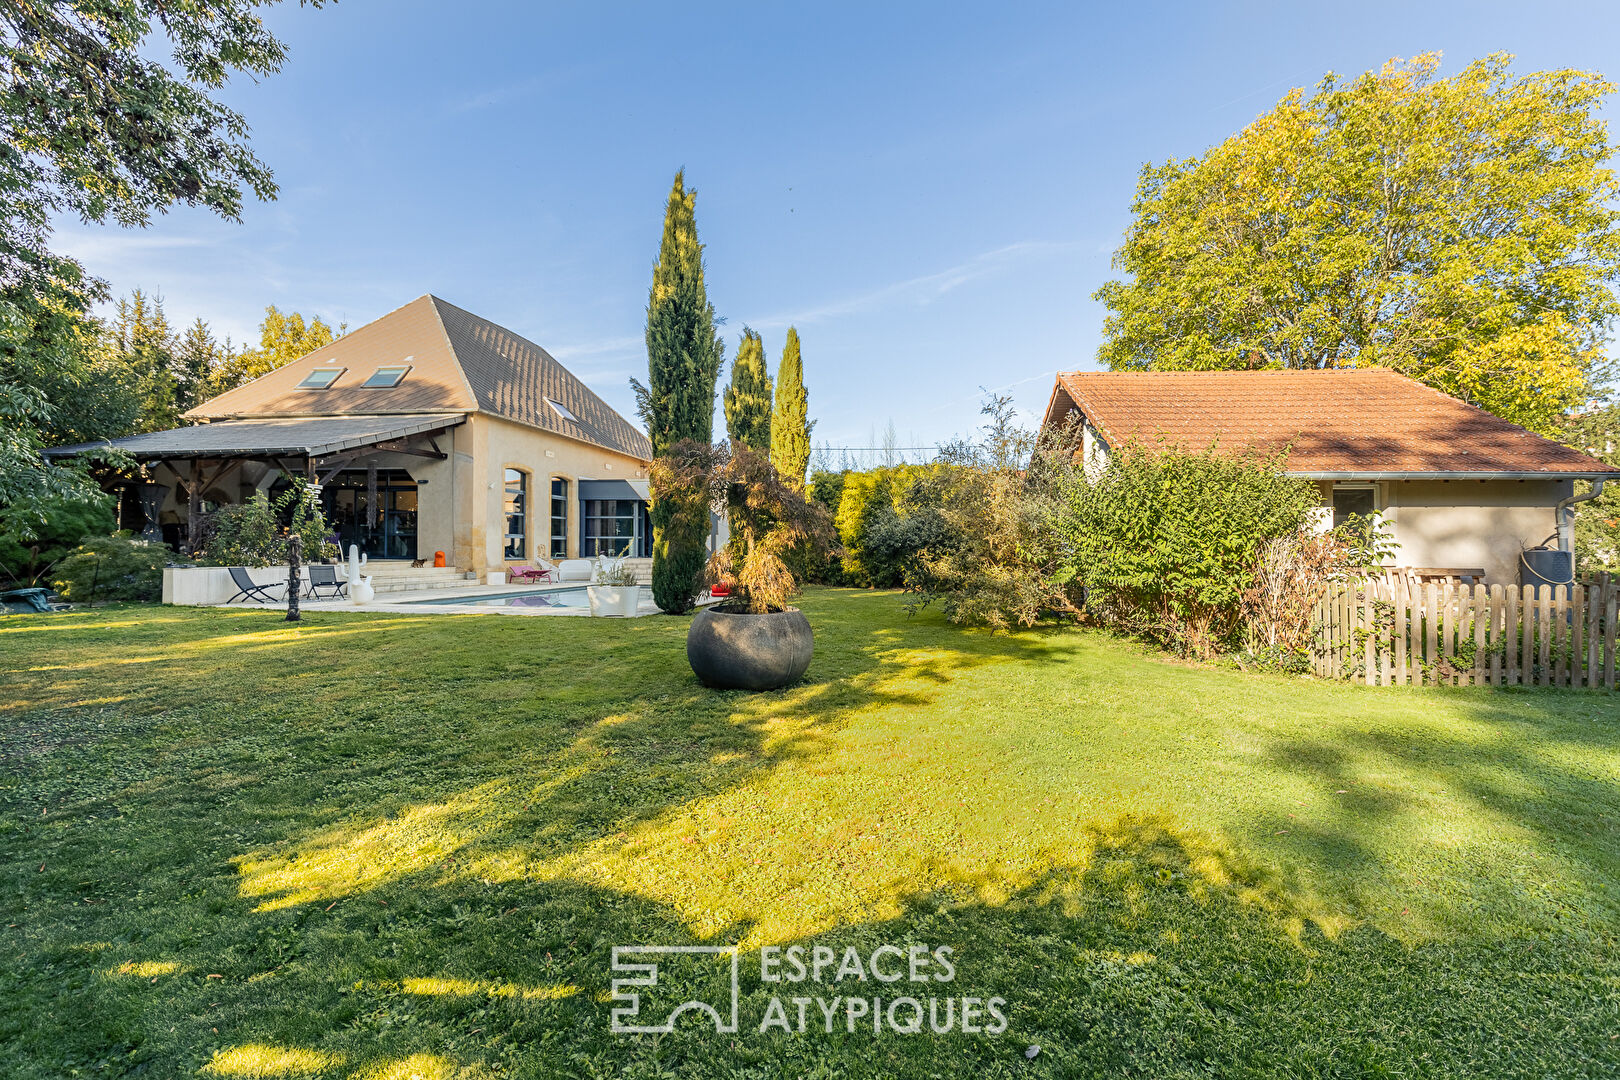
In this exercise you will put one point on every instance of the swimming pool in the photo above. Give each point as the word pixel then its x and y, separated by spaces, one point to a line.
pixel 550 598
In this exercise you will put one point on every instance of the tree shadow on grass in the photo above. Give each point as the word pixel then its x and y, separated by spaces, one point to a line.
pixel 1161 953
pixel 1500 793
pixel 155 768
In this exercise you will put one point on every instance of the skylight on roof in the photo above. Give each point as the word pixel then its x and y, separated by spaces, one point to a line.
pixel 321 378
pixel 389 375
pixel 561 410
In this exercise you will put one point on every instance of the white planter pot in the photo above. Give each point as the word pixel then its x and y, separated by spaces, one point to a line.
pixel 614 599
pixel 495 577
pixel 200 586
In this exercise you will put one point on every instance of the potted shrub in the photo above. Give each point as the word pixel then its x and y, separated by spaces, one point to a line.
pixel 755 639
pixel 617 593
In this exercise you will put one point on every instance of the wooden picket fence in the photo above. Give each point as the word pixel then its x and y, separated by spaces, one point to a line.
pixel 1399 632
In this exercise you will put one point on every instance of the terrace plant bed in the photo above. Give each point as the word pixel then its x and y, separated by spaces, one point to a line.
pixel 385 845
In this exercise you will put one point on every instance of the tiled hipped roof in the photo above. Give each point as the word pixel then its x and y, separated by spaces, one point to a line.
pixel 458 363
pixel 512 377
pixel 1366 421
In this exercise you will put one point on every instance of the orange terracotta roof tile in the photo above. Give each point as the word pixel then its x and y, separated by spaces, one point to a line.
pixel 1357 421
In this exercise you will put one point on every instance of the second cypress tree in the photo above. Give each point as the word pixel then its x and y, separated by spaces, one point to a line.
pixel 748 398
pixel 790 422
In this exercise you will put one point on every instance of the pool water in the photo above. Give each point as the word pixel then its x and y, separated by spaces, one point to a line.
pixel 551 598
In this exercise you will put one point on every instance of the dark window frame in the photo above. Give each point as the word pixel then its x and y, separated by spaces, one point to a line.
pixel 559 521
pixel 521 514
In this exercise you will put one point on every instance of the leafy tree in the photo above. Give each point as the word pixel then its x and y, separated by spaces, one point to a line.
pixel 748 398
pixel 283 338
pixel 1461 230
pixel 98 125
pixel 58 384
pixel 145 346
pixel 790 416
pixel 684 355
pixel 66 523
pixel 1597 521
pixel 985 543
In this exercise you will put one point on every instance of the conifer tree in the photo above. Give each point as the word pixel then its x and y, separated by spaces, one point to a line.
pixel 790 422
pixel 145 346
pixel 748 398
pixel 684 355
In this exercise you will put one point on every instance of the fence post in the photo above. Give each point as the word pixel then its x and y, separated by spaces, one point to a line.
pixel 1493 634
pixel 1611 607
pixel 1366 617
pixel 1543 631
pixel 1510 636
pixel 1398 599
pixel 1594 628
pixel 1577 629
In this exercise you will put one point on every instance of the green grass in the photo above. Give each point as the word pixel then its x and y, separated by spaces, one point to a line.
pixel 393 846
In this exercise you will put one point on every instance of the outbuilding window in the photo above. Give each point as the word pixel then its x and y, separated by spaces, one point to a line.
pixel 1354 501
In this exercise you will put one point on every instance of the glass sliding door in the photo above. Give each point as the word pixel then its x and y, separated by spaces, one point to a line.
pixel 616 527
pixel 384 529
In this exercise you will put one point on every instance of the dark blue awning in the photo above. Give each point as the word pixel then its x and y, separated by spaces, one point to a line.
pixel 633 490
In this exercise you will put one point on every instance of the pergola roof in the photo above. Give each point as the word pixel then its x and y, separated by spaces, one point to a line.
pixel 273 437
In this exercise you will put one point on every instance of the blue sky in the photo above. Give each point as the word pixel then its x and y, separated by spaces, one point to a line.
pixel 931 192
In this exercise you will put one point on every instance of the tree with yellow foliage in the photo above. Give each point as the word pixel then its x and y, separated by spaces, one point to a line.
pixel 1460 230
pixel 283 338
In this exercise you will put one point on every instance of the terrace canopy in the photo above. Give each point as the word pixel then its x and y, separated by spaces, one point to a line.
pixel 206 456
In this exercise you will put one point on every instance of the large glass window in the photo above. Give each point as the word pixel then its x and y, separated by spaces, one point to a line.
pixel 559 518
pixel 616 527
pixel 517 498
pixel 384 529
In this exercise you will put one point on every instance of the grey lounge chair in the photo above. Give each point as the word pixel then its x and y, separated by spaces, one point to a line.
pixel 321 577
pixel 259 594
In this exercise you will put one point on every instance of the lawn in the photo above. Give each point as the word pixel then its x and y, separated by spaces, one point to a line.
pixel 390 846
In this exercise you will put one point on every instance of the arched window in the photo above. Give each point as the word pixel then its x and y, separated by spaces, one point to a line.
pixel 559 518
pixel 517 514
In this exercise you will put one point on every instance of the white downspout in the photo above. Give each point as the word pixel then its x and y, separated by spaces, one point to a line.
pixel 1564 514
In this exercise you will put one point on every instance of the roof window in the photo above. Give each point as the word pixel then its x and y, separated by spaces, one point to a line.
pixel 389 375
pixel 321 378
pixel 561 410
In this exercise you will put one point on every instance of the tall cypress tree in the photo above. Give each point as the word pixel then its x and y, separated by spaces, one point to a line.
pixel 684 355
pixel 790 417
pixel 748 398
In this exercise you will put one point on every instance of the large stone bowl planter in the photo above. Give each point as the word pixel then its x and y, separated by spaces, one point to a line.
pixel 737 651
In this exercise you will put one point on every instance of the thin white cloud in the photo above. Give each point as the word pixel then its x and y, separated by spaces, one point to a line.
pixel 919 291
pixel 604 347
pixel 113 244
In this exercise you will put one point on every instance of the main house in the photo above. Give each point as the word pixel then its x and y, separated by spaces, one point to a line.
pixel 1463 491
pixel 429 430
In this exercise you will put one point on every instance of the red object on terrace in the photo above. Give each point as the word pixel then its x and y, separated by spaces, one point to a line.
pixel 720 588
